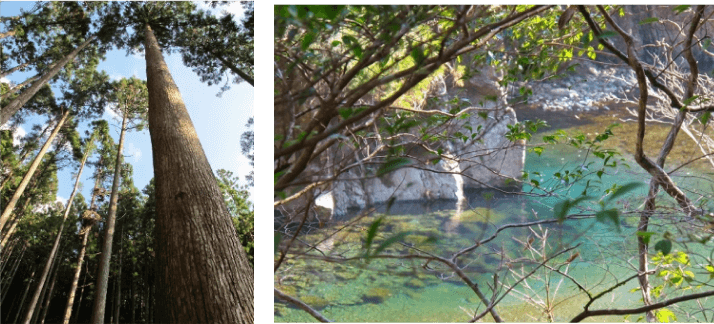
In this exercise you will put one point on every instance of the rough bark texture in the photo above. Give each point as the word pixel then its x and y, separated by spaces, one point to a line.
pixel 203 274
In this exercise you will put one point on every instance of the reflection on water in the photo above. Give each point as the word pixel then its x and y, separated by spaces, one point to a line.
pixel 391 290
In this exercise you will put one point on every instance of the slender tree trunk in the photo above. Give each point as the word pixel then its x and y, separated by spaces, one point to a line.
pixel 203 273
pixel 18 87
pixel 22 301
pixel 82 252
pixel 133 295
pixel 14 271
pixel 75 280
pixel 21 188
pixel 18 102
pixel 117 297
pixel 7 34
pixel 58 238
pixel 48 298
pixel 100 301
pixel 18 67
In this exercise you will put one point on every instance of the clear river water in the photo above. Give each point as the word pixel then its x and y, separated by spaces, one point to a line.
pixel 394 290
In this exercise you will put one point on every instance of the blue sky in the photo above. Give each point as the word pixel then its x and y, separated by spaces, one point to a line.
pixel 219 122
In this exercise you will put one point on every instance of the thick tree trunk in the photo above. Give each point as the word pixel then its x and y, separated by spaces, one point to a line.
pixel 18 102
pixel 21 188
pixel 100 302
pixel 203 274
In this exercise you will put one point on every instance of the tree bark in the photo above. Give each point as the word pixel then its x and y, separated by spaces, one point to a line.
pixel 100 301
pixel 82 252
pixel 51 289
pixel 21 188
pixel 117 297
pixel 203 273
pixel 18 67
pixel 75 280
pixel 58 238
pixel 7 34
pixel 19 86
pixel 22 301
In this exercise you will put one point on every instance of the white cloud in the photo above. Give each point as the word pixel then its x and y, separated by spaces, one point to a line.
pixel 17 134
pixel 61 200
pixel 132 150
pixel 4 80
pixel 234 7
pixel 108 109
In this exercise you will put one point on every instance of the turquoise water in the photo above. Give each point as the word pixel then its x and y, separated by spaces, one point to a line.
pixel 388 290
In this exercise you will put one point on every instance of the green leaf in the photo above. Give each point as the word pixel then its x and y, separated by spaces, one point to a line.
pixel 307 40
pixel 607 34
pixel 538 150
pixel 665 246
pixel 561 209
pixel 645 236
pixel 625 189
pixel 679 9
pixel 648 21
pixel 371 233
pixel 709 268
pixel 682 258
pixel 689 100
pixel 390 202
pixel 705 117
pixel 664 315
pixel 609 214
pixel 393 164
pixel 328 12
pixel 418 55
pixel 391 240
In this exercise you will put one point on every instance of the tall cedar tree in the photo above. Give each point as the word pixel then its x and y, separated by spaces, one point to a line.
pixel 203 274
pixel 101 131
pixel 130 97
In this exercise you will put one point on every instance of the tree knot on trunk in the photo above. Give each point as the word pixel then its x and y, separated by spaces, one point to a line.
pixel 180 195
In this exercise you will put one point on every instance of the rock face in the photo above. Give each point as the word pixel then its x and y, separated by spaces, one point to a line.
pixel 596 86
pixel 666 30
pixel 478 163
